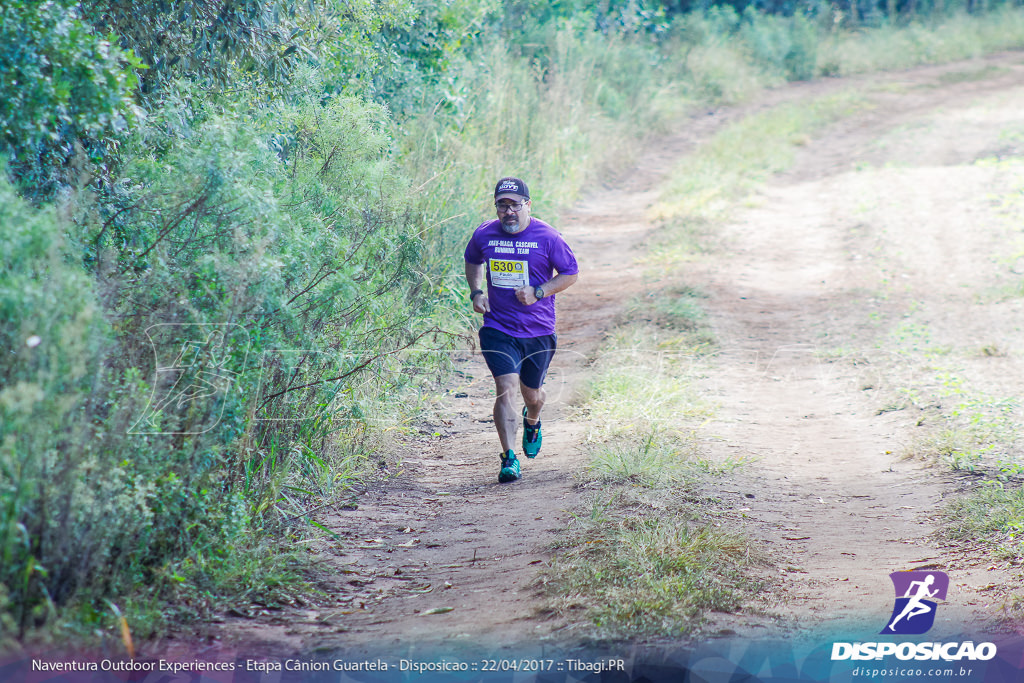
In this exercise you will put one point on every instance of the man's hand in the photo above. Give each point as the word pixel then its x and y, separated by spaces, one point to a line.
pixel 525 295
pixel 481 303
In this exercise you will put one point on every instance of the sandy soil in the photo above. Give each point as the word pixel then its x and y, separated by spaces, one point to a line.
pixel 886 219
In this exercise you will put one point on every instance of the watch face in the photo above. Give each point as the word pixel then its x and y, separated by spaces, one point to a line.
pixel 538 292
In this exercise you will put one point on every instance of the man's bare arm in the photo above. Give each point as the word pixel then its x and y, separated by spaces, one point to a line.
pixel 475 273
pixel 557 284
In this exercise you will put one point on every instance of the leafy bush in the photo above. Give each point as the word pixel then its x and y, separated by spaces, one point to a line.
pixel 55 331
pixel 785 44
pixel 189 346
pixel 256 47
pixel 90 506
pixel 61 84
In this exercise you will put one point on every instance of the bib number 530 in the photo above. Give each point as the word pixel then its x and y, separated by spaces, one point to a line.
pixel 509 274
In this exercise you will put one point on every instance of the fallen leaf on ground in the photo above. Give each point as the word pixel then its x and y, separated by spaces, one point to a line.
pixel 437 610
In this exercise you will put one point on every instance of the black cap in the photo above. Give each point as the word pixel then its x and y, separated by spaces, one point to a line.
pixel 511 185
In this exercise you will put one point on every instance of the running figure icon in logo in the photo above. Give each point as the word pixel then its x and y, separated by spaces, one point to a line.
pixel 913 613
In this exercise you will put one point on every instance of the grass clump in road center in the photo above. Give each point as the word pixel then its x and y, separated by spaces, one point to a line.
pixel 643 378
pixel 643 563
pixel 672 308
pixel 652 459
pixel 639 386
pixel 642 558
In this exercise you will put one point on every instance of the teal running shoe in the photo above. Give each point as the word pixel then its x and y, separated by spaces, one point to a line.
pixel 509 467
pixel 531 437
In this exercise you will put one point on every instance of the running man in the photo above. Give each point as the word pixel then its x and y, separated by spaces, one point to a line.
pixel 914 606
pixel 525 263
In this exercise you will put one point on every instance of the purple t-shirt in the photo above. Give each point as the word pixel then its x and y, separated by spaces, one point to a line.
pixel 529 257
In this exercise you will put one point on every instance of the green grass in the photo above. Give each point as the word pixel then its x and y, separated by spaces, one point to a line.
pixel 959 448
pixel 643 381
pixel 640 557
pixel 962 429
pixel 650 460
pixel 678 308
pixel 944 39
pixel 682 240
pixel 654 459
pixel 725 169
pixel 992 513
pixel 958 425
pixel 640 566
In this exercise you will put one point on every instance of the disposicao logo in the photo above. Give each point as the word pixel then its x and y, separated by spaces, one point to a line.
pixel 914 614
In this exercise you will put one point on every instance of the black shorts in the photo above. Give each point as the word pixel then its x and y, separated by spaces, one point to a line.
pixel 527 357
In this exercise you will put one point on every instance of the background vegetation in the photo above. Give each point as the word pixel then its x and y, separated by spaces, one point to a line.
pixel 225 225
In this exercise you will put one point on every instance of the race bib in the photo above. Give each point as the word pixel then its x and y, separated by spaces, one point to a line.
pixel 509 274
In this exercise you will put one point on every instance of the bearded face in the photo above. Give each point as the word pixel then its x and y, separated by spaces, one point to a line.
pixel 513 212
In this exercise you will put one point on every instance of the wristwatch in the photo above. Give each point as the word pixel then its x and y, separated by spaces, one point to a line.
pixel 472 295
pixel 538 292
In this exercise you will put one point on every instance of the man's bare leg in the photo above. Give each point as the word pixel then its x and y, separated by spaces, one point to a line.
pixel 534 399
pixel 506 419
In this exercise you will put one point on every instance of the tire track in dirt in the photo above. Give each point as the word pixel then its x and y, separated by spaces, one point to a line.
pixel 440 557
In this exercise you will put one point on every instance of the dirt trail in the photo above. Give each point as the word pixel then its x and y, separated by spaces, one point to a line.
pixel 886 219
pixel 882 214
